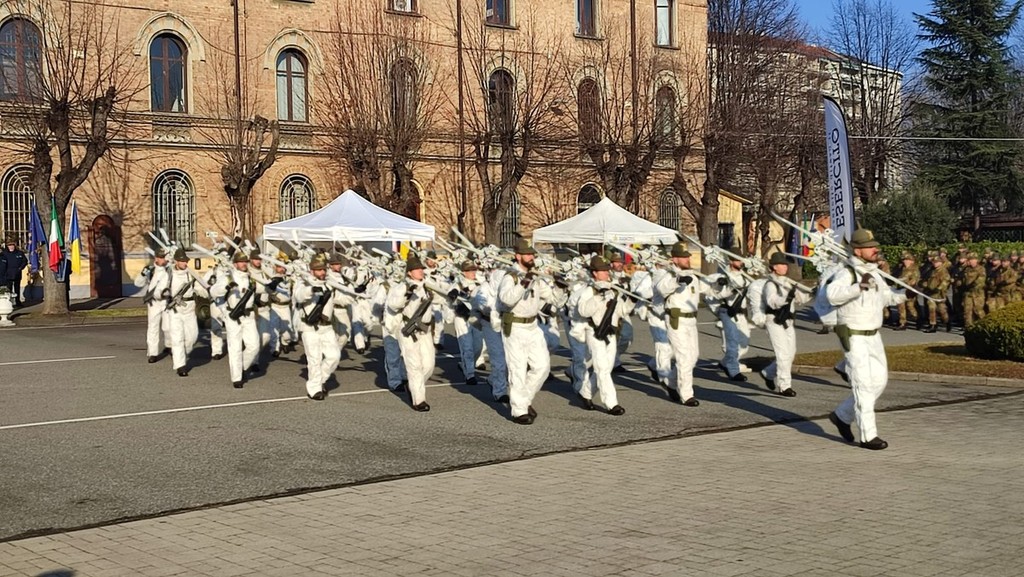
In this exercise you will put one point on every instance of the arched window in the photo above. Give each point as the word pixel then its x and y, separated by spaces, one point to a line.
pixel 665 114
pixel 291 86
pixel 586 17
pixel 16 202
pixel 174 206
pixel 168 74
pixel 297 197
pixel 510 226
pixel 501 111
pixel 664 19
pixel 404 94
pixel 668 212
pixel 587 197
pixel 20 78
pixel 588 103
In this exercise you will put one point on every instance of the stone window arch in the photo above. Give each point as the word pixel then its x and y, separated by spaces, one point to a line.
pixel 297 197
pixel 16 201
pixel 292 83
pixel 174 206
pixel 20 66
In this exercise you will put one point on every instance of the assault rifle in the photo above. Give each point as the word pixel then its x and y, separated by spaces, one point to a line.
pixel 415 321
pixel 315 316
pixel 604 329
pixel 238 311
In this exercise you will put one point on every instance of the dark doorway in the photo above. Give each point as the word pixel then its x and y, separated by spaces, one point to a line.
pixel 105 258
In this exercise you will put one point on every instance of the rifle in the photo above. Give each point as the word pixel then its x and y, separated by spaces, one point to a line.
pixel 785 312
pixel 238 311
pixel 734 309
pixel 604 329
pixel 415 321
pixel 316 316
pixel 176 301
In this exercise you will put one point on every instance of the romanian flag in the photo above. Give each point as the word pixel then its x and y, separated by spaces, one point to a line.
pixel 56 240
pixel 75 240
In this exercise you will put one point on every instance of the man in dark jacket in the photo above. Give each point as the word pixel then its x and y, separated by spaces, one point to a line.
pixel 14 261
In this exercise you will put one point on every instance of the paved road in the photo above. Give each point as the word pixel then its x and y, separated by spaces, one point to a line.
pixel 200 442
pixel 946 499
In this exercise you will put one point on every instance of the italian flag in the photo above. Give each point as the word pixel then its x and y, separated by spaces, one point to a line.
pixel 56 241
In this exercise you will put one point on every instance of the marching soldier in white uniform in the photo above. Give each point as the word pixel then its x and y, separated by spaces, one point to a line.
pixel 485 305
pixel 781 298
pixel 239 293
pixel 681 291
pixel 154 279
pixel 600 306
pixel 341 315
pixel 279 291
pixel 625 337
pixel 520 298
pixel 181 307
pixel 469 337
pixel 729 292
pixel 859 294
pixel 315 301
pixel 412 302
pixel 262 298
pixel 217 314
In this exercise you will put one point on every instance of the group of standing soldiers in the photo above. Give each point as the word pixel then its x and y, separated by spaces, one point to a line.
pixel 967 286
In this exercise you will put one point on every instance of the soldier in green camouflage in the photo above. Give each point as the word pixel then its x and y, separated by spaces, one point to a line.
pixel 936 286
pixel 956 272
pixel 1018 266
pixel 973 290
pixel 995 267
pixel 911 275
pixel 1006 284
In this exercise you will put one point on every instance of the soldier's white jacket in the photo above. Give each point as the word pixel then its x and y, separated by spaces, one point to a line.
pixel 340 300
pixel 306 293
pixel 231 287
pixel 183 291
pixel 513 296
pixel 676 295
pixel 156 280
pixel 593 302
pixel 403 305
pixel 861 309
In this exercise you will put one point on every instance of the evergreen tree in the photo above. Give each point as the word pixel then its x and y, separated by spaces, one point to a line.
pixel 970 75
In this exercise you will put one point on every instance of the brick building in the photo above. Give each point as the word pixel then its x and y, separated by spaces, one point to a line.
pixel 166 172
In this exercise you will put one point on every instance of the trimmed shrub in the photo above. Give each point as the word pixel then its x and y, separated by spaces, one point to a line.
pixel 1000 335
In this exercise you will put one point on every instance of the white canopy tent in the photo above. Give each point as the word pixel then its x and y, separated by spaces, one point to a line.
pixel 605 222
pixel 349 217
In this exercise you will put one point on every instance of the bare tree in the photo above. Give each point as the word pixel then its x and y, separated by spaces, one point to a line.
pixel 245 143
pixel 877 47
pixel 73 81
pixel 625 124
pixel 380 100
pixel 746 39
pixel 509 107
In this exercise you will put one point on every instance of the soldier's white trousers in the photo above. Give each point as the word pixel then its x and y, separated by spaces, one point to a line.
pixel 685 350
pixel 419 356
pixel 662 361
pixel 184 333
pixel 243 344
pixel 342 323
pixel 602 356
pixel 578 370
pixel 736 338
pixel 783 341
pixel 498 378
pixel 362 322
pixel 263 326
pixel 551 337
pixel 322 355
pixel 280 327
pixel 158 333
pixel 217 317
pixel 869 372
pixel 526 353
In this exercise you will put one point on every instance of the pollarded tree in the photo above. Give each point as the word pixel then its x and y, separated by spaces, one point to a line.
pixel 971 79
pixel 66 84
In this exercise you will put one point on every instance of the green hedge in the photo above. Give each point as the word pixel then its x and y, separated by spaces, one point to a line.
pixel 1000 335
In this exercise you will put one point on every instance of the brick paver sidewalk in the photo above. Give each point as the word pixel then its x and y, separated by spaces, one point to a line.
pixel 947 498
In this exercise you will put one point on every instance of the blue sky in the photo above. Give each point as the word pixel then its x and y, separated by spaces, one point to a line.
pixel 817 13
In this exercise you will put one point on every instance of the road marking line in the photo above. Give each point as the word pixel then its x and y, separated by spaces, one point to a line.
pixel 200 408
pixel 55 361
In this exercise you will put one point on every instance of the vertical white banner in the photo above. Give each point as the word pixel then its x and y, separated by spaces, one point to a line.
pixel 840 186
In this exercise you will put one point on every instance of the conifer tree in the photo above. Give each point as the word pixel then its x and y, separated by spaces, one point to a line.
pixel 971 79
